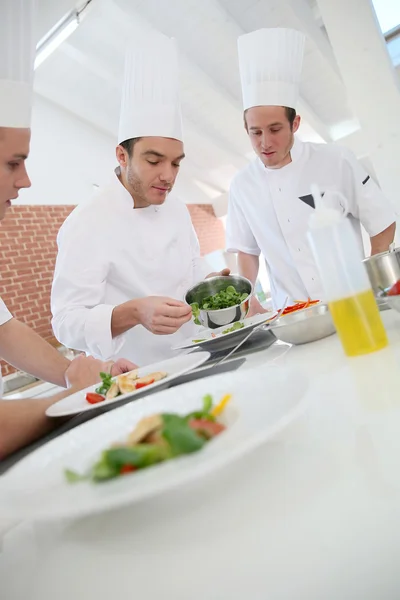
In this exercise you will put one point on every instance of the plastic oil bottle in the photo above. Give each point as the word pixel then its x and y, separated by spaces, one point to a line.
pixel 345 281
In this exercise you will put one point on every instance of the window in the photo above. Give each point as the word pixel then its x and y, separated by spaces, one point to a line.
pixel 388 13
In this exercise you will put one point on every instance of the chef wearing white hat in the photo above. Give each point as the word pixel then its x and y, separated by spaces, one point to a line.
pixel 270 200
pixel 23 421
pixel 127 256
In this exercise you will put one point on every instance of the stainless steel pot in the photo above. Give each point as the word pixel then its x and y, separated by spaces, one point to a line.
pixel 383 269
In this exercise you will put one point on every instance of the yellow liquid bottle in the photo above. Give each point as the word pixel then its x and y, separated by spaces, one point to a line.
pixel 358 323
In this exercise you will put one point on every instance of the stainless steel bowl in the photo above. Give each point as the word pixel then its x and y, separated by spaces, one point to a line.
pixel 304 326
pixel 383 270
pixel 225 316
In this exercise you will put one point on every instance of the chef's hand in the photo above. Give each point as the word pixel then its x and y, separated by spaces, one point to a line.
pixel 162 316
pixel 255 308
pixel 223 273
pixel 122 365
pixel 85 370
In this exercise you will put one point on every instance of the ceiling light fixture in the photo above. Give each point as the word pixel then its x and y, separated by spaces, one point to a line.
pixel 58 34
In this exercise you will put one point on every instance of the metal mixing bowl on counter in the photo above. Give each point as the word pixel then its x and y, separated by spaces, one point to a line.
pixel 303 326
pixel 223 316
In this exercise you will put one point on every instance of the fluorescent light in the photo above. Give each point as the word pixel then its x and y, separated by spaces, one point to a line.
pixel 56 36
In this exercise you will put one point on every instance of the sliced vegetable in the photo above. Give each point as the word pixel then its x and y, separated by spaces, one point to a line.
pixel 139 456
pixel 142 384
pixel 93 398
pixel 235 327
pixel 127 469
pixel 217 410
pixel 205 413
pixel 299 306
pixel 205 428
pixel 198 341
pixel 107 380
pixel 181 438
pixel 196 312
pixel 73 477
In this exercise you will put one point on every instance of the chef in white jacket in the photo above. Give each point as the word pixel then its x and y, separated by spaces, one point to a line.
pixel 22 421
pixel 270 200
pixel 128 255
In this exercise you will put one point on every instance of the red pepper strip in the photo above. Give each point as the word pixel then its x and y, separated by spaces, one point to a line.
pixel 142 385
pixel 125 469
pixel 93 398
pixel 395 289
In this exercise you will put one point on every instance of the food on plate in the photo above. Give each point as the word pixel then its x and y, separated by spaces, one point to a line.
pixel 235 327
pixel 157 438
pixel 299 306
pixel 198 341
pixel 223 299
pixel 123 384
pixel 196 313
pixel 394 290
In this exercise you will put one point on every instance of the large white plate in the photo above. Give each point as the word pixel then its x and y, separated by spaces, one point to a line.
pixel 175 367
pixel 264 402
pixel 215 339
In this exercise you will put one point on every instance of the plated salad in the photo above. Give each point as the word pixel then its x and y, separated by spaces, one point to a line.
pixel 155 439
pixel 123 384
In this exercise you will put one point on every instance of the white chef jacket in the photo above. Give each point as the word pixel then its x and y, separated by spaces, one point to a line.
pixel 109 253
pixel 269 210
pixel 5 316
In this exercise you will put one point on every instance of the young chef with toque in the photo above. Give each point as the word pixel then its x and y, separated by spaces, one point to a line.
pixel 128 255
pixel 270 200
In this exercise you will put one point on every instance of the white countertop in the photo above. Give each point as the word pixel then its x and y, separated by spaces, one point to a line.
pixel 313 515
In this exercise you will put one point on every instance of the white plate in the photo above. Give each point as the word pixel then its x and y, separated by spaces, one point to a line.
pixel 214 337
pixel 264 402
pixel 175 367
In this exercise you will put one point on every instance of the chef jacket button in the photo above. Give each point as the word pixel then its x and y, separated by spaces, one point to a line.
pixel 288 220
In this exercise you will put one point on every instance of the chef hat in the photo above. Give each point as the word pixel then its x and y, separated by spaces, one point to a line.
pixel 270 62
pixel 17 55
pixel 150 98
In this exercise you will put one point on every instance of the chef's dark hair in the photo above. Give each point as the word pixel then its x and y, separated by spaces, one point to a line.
pixel 290 114
pixel 128 145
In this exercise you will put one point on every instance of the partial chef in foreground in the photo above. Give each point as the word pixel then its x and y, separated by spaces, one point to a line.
pixel 270 200
pixel 22 421
pixel 127 256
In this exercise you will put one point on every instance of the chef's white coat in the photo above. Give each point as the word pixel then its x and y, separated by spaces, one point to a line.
pixel 269 210
pixel 109 253
pixel 5 316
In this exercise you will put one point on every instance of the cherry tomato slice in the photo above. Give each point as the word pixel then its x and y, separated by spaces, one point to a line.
pixel 143 384
pixel 125 469
pixel 93 398
pixel 208 429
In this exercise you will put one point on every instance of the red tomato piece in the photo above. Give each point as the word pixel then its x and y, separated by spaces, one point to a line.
pixel 143 384
pixel 208 429
pixel 125 469
pixel 93 398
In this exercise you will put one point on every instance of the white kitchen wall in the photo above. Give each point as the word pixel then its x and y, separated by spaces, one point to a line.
pixel 68 157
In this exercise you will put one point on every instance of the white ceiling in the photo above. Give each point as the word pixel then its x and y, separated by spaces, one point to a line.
pixel 84 75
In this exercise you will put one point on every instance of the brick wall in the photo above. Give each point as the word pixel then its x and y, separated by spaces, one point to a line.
pixel 209 229
pixel 28 251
